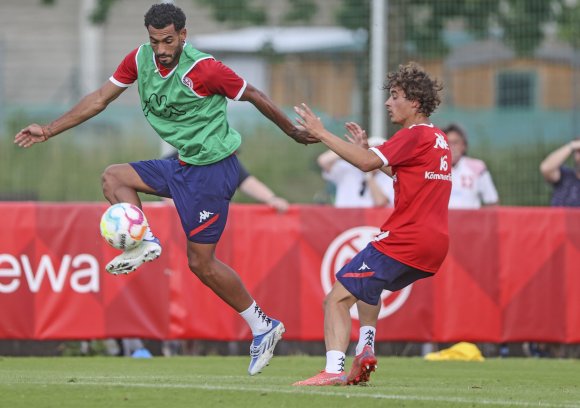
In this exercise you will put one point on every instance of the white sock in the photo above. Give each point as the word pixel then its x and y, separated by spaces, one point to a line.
pixel 258 321
pixel 366 337
pixel 334 362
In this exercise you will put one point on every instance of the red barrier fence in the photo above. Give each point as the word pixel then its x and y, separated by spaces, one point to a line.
pixel 512 274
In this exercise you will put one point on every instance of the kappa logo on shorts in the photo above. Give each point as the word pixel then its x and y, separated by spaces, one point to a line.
pixel 204 215
pixel 205 220
pixel 341 250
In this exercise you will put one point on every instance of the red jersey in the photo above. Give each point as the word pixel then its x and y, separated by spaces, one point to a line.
pixel 206 77
pixel 416 233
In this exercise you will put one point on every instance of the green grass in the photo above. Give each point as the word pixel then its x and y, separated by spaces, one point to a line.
pixel 222 381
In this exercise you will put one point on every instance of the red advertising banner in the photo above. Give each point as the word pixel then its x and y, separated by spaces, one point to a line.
pixel 512 274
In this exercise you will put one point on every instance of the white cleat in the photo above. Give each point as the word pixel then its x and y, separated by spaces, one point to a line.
pixel 130 260
pixel 262 348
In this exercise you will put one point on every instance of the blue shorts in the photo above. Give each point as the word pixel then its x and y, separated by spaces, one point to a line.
pixel 370 272
pixel 201 194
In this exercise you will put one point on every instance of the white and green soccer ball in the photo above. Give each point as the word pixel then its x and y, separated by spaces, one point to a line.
pixel 123 226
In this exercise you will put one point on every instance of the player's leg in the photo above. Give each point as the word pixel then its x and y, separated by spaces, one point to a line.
pixel 385 273
pixel 365 360
pixel 337 325
pixel 219 277
pixel 226 283
pixel 337 321
pixel 121 182
pixel 201 195
pixel 368 316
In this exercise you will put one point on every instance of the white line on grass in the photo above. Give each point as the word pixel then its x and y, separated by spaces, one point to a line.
pixel 325 392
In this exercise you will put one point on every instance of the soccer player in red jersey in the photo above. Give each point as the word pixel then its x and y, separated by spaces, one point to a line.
pixel 413 241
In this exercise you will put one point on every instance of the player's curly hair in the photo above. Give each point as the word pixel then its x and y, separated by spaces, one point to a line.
pixel 164 14
pixel 417 85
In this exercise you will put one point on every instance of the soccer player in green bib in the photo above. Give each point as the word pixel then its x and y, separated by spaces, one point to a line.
pixel 183 95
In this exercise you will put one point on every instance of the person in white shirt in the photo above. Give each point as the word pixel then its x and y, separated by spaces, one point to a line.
pixel 472 185
pixel 355 188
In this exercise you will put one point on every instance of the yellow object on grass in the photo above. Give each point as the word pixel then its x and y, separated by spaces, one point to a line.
pixel 460 352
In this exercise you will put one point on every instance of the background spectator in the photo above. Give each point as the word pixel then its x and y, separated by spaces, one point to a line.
pixel 472 183
pixel 355 188
pixel 564 179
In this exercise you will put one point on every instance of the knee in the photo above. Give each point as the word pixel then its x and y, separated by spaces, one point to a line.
pixel 328 301
pixel 110 178
pixel 338 297
pixel 200 267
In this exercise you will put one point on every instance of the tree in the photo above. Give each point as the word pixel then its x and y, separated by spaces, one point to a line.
pixel 243 12
pixel 422 22
pixel 235 11
pixel 99 14
pixel 568 17
pixel 522 22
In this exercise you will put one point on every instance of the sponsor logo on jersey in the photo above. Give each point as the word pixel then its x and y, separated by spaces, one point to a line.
pixel 431 175
pixel 188 82
pixel 158 106
pixel 440 142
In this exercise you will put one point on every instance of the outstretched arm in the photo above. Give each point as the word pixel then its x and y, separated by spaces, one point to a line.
pixel 89 106
pixel 550 166
pixel 358 136
pixel 358 156
pixel 265 105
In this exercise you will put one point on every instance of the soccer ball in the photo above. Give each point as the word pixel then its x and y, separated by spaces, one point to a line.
pixel 123 226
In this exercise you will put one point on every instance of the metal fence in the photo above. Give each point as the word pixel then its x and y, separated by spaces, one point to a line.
pixel 510 69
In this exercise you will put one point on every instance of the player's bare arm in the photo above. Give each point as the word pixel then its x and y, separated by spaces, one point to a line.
pixel 265 105
pixel 357 135
pixel 359 157
pixel 89 106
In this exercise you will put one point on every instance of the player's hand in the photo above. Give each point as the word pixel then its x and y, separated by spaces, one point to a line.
pixel 278 203
pixel 30 135
pixel 309 121
pixel 302 136
pixel 358 135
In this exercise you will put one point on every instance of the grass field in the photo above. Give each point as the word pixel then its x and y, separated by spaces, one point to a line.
pixel 222 381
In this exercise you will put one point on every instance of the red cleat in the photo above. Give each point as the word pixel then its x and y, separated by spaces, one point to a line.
pixel 323 378
pixel 362 367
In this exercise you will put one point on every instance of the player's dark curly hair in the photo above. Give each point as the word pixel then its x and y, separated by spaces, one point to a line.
pixel 417 85
pixel 164 14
